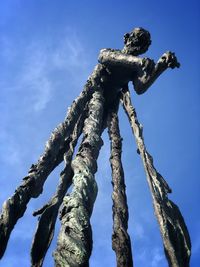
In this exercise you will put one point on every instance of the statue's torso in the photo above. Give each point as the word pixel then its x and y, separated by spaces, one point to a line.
pixel 113 80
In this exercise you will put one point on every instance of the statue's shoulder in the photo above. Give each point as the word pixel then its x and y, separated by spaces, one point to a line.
pixel 110 50
pixel 108 54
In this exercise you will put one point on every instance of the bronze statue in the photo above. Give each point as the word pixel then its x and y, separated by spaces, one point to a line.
pixel 94 110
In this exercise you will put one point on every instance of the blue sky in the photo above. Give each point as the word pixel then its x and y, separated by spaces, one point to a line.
pixel 47 51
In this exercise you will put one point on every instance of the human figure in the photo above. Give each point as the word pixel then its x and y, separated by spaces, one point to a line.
pixel 115 70
pixel 124 65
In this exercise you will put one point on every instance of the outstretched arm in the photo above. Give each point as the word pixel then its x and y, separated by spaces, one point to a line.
pixel 151 71
pixel 143 71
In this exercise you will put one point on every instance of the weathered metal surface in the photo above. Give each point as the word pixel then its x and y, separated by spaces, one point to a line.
pixel 121 242
pixel 174 232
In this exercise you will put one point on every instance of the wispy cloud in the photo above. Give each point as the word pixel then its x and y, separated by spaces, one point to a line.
pixel 70 52
pixel 10 152
pixel 40 62
pixel 157 258
pixel 35 76
pixel 152 257
pixel 139 232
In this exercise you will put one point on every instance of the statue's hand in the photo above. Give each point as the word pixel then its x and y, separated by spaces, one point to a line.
pixel 170 59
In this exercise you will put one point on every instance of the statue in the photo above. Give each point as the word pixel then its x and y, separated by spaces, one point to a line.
pixel 94 110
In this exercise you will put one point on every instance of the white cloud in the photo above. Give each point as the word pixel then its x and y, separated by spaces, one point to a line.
pixel 10 151
pixel 157 258
pixel 40 63
pixel 70 53
pixel 37 81
pixel 154 257
pixel 138 231
pixel 141 255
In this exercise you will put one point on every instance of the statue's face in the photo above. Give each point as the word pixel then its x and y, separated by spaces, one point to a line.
pixel 137 42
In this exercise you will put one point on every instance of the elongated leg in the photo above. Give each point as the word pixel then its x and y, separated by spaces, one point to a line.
pixel 174 232
pixel 121 243
pixel 75 238
pixel 46 225
pixel 32 185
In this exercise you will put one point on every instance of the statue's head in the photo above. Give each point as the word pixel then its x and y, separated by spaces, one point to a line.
pixel 136 42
